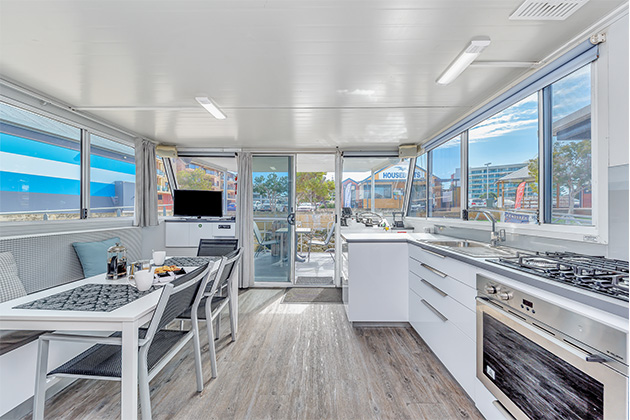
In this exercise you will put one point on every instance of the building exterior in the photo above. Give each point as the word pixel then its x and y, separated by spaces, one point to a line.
pixel 482 179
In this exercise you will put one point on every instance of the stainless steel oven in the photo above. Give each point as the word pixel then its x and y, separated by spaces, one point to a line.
pixel 543 361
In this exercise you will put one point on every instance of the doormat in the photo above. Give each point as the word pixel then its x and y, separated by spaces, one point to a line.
pixel 314 281
pixel 312 295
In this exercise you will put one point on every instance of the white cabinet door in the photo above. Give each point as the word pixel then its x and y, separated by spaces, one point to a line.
pixel 177 234
pixel 198 231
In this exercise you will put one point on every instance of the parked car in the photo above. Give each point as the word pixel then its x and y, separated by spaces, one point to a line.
pixel 265 206
pixel 305 207
pixel 477 203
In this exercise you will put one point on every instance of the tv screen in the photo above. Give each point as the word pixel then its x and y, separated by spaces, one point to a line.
pixel 198 203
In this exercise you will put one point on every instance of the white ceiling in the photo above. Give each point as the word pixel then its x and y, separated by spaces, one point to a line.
pixel 292 74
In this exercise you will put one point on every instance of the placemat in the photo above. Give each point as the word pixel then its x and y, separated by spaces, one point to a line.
pixel 189 261
pixel 90 297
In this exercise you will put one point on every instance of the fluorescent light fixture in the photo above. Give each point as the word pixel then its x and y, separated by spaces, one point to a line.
pixel 463 60
pixel 210 106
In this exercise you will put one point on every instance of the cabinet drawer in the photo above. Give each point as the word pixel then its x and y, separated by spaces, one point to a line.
pixel 462 317
pixel 461 271
pixel 454 349
pixel 459 291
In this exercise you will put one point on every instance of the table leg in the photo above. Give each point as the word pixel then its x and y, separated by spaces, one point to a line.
pixel 129 383
pixel 281 250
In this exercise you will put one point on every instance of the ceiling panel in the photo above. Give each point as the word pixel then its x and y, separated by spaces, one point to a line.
pixel 288 74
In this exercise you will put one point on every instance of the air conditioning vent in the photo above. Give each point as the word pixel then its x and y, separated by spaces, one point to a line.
pixel 547 10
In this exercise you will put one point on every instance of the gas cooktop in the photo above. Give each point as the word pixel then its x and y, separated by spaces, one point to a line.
pixel 596 274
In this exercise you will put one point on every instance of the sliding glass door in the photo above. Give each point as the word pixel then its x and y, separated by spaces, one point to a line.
pixel 274 220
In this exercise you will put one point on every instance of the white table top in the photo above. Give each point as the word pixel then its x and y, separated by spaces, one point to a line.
pixel 127 313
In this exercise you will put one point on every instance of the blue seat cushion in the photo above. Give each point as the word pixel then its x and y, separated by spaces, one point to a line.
pixel 93 255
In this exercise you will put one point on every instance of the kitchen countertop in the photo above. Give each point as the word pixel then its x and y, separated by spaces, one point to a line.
pixel 607 304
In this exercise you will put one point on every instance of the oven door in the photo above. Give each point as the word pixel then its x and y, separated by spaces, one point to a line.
pixel 534 375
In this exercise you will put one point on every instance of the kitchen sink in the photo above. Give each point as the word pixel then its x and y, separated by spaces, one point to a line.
pixel 473 249
pixel 458 244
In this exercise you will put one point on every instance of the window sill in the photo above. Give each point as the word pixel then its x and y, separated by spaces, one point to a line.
pixel 51 227
pixel 587 234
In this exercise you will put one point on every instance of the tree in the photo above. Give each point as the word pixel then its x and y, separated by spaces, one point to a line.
pixel 312 187
pixel 571 168
pixel 196 179
pixel 271 186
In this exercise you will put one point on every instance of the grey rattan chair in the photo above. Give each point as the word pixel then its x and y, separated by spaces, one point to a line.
pixel 210 307
pixel 157 345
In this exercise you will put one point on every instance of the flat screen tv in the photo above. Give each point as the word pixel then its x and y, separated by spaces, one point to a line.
pixel 198 203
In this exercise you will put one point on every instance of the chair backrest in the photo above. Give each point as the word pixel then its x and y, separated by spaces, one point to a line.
pixel 330 233
pixel 257 234
pixel 226 272
pixel 216 247
pixel 176 298
pixel 346 211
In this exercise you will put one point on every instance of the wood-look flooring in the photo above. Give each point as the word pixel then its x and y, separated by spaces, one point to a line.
pixel 291 361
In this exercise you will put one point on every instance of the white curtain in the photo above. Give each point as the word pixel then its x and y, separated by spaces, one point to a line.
pixel 244 218
pixel 146 184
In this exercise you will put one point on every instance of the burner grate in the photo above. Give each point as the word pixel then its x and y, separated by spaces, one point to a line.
pixel 595 273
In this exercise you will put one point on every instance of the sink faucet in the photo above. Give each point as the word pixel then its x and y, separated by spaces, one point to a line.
pixel 495 237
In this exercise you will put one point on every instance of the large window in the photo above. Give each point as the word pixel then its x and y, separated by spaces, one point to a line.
pixel 444 195
pixel 504 160
pixel 374 184
pixel 40 167
pixel 571 149
pixel 418 199
pixel 209 173
pixel 503 164
pixel 165 196
pixel 112 178
pixel 41 176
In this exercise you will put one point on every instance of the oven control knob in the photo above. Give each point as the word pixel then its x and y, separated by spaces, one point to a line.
pixel 505 295
pixel 490 289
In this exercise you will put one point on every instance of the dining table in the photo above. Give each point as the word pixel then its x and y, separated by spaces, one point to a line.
pixel 126 319
pixel 282 232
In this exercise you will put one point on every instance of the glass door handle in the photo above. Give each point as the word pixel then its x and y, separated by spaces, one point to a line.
pixel 291 219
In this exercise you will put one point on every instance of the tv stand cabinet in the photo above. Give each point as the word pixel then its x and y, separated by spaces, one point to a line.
pixel 186 233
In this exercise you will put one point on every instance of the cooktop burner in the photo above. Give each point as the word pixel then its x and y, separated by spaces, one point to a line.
pixel 597 274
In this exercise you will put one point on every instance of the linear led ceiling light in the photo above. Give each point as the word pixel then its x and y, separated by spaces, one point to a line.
pixel 207 103
pixel 463 60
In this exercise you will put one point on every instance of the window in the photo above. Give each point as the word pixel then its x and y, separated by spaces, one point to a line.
pixel 386 176
pixel 418 199
pixel 503 164
pixel 571 195
pixel 40 167
pixel 165 197
pixel 444 198
pixel 209 173
pixel 112 178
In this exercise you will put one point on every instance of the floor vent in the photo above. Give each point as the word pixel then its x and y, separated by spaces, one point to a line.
pixel 547 10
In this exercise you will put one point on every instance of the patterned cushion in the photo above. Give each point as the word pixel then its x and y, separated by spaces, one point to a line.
pixel 93 255
pixel 10 285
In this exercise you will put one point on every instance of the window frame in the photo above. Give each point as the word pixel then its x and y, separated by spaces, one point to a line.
pixel 84 180
pixel 597 233
pixel 171 175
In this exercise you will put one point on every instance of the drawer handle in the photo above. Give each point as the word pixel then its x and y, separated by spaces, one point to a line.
pixel 434 288
pixel 435 311
pixel 433 253
pixel 438 272
pixel 502 410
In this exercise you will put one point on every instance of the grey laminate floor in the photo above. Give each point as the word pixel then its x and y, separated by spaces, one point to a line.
pixel 292 361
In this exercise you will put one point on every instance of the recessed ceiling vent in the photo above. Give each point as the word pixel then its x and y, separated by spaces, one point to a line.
pixel 547 10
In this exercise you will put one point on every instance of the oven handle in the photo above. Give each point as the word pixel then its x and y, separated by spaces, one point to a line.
pixel 565 345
